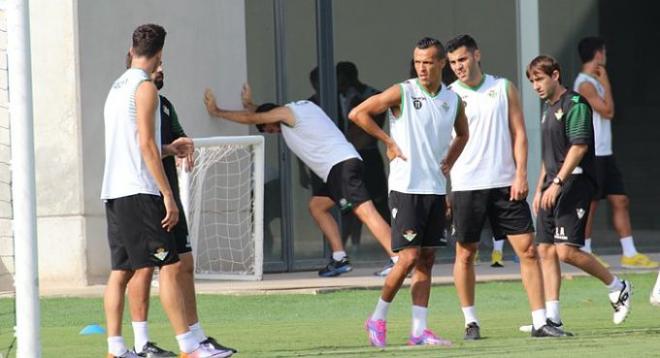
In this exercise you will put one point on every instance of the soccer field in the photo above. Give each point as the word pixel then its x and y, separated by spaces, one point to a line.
pixel 332 324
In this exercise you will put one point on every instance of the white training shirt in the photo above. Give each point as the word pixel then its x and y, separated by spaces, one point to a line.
pixel 487 160
pixel 602 125
pixel 315 139
pixel 423 133
pixel 125 171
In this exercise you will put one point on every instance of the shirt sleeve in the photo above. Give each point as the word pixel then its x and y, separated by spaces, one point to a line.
pixel 177 129
pixel 579 126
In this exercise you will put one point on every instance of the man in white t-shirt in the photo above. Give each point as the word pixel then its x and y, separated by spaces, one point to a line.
pixel 140 220
pixel 593 83
pixel 489 181
pixel 422 114
pixel 315 139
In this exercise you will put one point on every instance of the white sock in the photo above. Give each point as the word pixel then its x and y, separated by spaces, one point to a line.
pixel 394 258
pixel 628 246
pixel 538 318
pixel 587 246
pixel 338 255
pixel 657 283
pixel 470 314
pixel 498 245
pixel 116 346
pixel 187 342
pixel 381 310
pixel 419 314
pixel 140 335
pixel 197 330
pixel 552 311
pixel 616 285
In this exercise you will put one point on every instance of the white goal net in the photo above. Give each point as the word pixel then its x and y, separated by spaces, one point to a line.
pixel 223 201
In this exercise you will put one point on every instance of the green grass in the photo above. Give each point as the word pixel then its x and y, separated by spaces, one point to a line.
pixel 332 324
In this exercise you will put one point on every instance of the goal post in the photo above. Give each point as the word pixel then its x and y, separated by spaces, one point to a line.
pixel 223 200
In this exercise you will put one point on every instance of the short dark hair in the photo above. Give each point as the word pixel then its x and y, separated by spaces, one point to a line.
pixel 148 40
pixel 314 76
pixel 588 47
pixel 460 41
pixel 428 42
pixel 545 64
pixel 265 107
pixel 348 70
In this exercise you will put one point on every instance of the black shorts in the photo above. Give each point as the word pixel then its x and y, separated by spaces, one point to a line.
pixel 565 223
pixel 472 207
pixel 418 220
pixel 135 234
pixel 345 185
pixel 610 180
pixel 181 236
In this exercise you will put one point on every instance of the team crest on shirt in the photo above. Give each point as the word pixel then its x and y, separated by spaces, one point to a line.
pixel 492 93
pixel 445 106
pixel 559 114
pixel 417 104
pixel 409 234
pixel 580 213
pixel 161 254
pixel 394 211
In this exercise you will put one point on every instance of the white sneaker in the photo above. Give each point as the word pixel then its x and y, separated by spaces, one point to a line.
pixel 206 351
pixel 621 302
pixel 655 296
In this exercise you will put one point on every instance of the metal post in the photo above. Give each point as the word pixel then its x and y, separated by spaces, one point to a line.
pixel 23 179
pixel 527 20
pixel 285 155
pixel 325 58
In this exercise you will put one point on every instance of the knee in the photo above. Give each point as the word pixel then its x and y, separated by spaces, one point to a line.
pixel 409 258
pixel 565 253
pixel 465 254
pixel 621 203
pixel 529 253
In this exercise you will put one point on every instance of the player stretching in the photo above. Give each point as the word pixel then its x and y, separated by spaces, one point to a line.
pixel 314 138
pixel 422 114
pixel 566 187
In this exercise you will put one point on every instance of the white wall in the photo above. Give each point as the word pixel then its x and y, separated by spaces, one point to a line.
pixel 6 236
pixel 78 49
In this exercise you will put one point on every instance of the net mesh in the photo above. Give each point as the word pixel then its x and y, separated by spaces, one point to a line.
pixel 221 210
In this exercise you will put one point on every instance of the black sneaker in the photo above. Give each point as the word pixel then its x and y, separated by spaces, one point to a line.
pixel 336 268
pixel 472 332
pixel 548 330
pixel 211 342
pixel 559 325
pixel 151 350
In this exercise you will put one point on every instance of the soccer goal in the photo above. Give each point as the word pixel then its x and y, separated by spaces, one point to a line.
pixel 223 200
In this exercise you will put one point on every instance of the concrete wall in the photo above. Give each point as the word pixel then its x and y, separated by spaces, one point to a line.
pixel 6 237
pixel 78 49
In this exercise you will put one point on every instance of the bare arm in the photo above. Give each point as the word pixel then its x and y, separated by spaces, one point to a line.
pixel 604 106
pixel 363 116
pixel 519 187
pixel 457 145
pixel 146 102
pixel 279 114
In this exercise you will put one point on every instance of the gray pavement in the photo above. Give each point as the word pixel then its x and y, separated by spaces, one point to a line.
pixel 308 282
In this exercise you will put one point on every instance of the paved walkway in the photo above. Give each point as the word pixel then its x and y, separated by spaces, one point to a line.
pixel 308 282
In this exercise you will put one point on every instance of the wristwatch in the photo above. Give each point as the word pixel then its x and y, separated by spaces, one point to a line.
pixel 557 180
